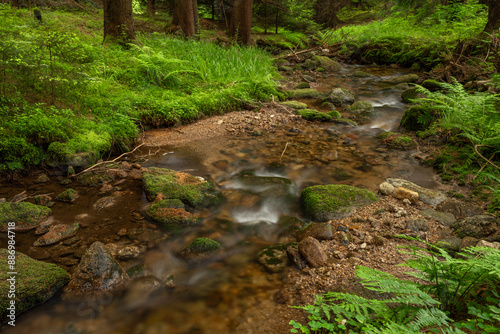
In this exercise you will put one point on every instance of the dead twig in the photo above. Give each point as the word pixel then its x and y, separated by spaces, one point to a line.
pixel 286 145
pixel 486 159
pixel 106 162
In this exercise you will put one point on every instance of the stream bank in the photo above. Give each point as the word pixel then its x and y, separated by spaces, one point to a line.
pixel 231 292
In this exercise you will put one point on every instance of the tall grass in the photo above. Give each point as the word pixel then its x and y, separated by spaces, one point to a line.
pixel 83 89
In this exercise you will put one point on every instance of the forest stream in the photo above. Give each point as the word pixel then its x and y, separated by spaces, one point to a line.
pixel 215 294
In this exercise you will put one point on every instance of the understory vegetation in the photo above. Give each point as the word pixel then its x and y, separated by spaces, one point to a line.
pixel 62 92
pixel 451 295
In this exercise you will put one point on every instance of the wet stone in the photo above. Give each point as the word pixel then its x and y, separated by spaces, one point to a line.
pixel 44 227
pixel 42 178
pixel 43 200
pixel 313 252
pixel 38 253
pixel 57 233
pixel 105 189
pixel 295 257
pixel 69 195
pixel 320 231
pixel 446 218
pixel 104 202
pixel 274 258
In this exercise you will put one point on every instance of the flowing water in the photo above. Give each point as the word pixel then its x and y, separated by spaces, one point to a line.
pixel 211 296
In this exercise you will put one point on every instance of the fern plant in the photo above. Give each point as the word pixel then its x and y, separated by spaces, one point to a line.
pixel 456 293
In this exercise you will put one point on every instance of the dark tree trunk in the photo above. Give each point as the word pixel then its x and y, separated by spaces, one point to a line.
pixel 14 3
pixel 187 16
pixel 326 12
pixel 118 21
pixel 240 25
pixel 151 8
pixel 493 23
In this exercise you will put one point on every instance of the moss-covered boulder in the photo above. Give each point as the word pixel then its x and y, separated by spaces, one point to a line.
pixel 339 97
pixel 26 216
pixel 315 115
pixel 302 85
pixel 327 63
pixel 69 195
pixel 432 85
pixel 408 78
pixel 294 104
pixel 410 94
pixel 191 190
pixel 334 201
pixel 412 119
pixel 200 247
pixel 305 93
pixel 35 282
pixel 362 110
pixel 170 213
pixel 397 140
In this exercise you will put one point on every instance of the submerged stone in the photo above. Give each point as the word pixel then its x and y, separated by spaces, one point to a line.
pixel 26 216
pixel 97 274
pixel 200 246
pixel 191 190
pixel 35 282
pixel 274 258
pixel 339 97
pixel 57 233
pixel 69 195
pixel 334 201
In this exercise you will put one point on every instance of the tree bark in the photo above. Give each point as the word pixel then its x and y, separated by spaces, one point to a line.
pixel 118 21
pixel 151 8
pixel 326 12
pixel 493 23
pixel 240 25
pixel 187 16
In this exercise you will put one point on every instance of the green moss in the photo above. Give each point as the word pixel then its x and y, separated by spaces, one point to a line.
pixel 326 63
pixel 191 190
pixel 25 215
pixel 69 195
pixel 304 93
pixel 302 85
pixel 36 282
pixel 385 135
pixel 404 142
pixel 409 95
pixel 327 202
pixel 315 115
pixel 432 85
pixel 93 180
pixel 170 213
pixel 294 104
pixel 202 246
pixel 414 119
pixel 362 108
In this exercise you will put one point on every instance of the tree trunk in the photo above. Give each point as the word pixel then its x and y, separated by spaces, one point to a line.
pixel 14 3
pixel 118 21
pixel 187 16
pixel 240 25
pixel 151 8
pixel 326 12
pixel 493 23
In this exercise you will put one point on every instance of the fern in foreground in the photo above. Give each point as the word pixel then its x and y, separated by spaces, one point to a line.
pixel 458 293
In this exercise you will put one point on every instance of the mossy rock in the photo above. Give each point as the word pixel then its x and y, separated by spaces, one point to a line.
pixel 411 117
pixel 191 190
pixel 334 201
pixel 90 179
pixel 304 93
pixel 201 246
pixel 69 195
pixel 309 64
pixel 345 121
pixel 279 61
pixel 361 74
pixel 409 95
pixel 363 109
pixel 327 63
pixel 408 78
pixel 274 258
pixel 294 104
pixel 320 69
pixel 315 115
pixel 339 97
pixel 432 85
pixel 285 68
pixel 397 140
pixel 302 85
pixel 26 216
pixel 36 282
pixel 170 214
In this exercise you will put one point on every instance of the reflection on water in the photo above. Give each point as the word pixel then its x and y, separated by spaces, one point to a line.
pixel 211 296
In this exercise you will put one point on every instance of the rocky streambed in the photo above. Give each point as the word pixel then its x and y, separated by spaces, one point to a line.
pixel 221 226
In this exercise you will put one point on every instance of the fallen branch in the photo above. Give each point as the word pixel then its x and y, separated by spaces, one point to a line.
pixel 486 159
pixel 286 145
pixel 106 162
